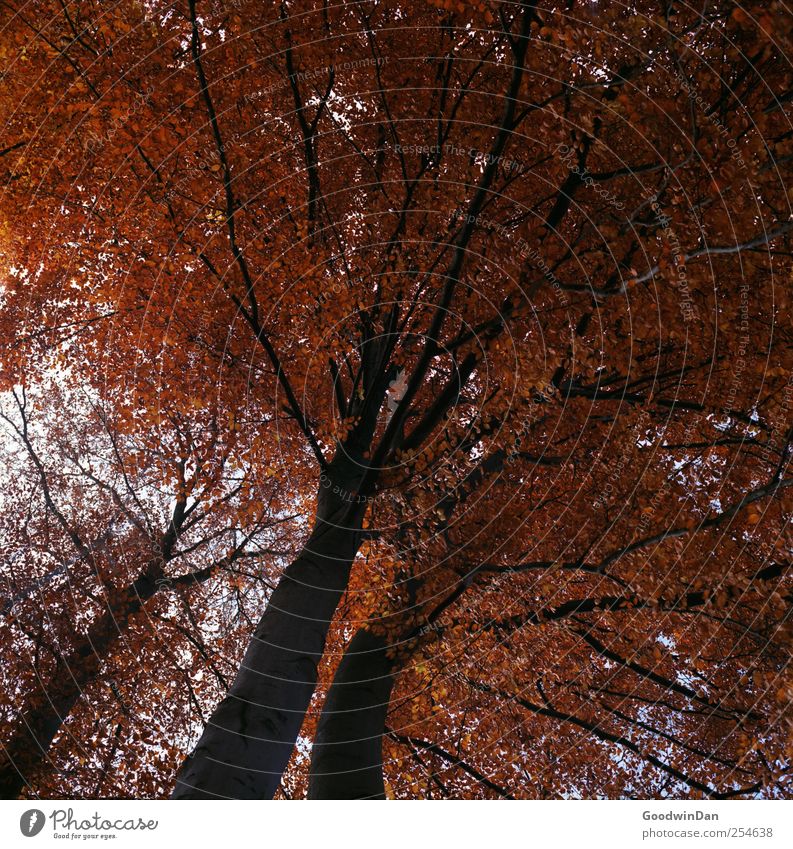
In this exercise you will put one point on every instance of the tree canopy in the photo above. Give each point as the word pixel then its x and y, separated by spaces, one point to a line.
pixel 396 399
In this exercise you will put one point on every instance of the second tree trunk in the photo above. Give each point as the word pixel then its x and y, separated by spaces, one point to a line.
pixel 347 757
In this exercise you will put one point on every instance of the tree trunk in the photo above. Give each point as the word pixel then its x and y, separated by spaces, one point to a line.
pixel 347 756
pixel 249 738
pixel 54 700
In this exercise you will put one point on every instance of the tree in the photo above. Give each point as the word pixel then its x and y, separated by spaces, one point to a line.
pixel 114 535
pixel 389 280
pixel 649 667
